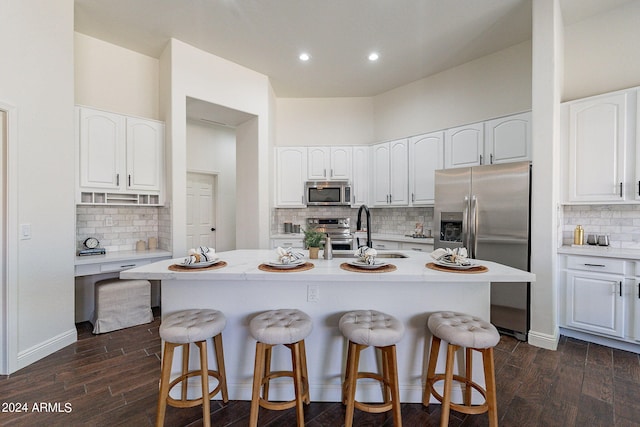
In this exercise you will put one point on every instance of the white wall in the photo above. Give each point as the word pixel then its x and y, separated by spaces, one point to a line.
pixel 324 121
pixel 212 149
pixel 37 78
pixel 115 79
pixel 601 53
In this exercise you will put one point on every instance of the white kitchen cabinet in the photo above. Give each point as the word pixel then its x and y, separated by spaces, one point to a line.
pixel 385 244
pixel 360 182
pixel 464 146
pixel 296 241
pixel 120 158
pixel 594 295
pixel 507 139
pixel 426 155
pixel 329 163
pixel 600 135
pixel 291 174
pixel 390 173
pixel 417 246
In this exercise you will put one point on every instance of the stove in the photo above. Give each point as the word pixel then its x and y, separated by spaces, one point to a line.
pixel 339 229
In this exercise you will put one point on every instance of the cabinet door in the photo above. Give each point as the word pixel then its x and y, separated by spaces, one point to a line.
pixel 360 176
pixel 508 139
pixel 597 144
pixel 464 146
pixel 291 173
pixel 318 166
pixel 145 147
pixel 102 138
pixel 595 303
pixel 399 172
pixel 340 163
pixel 426 155
pixel 381 170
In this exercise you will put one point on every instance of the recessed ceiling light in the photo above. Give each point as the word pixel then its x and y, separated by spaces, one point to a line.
pixel 373 56
pixel 304 57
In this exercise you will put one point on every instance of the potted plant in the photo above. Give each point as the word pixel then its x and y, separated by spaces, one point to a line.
pixel 313 239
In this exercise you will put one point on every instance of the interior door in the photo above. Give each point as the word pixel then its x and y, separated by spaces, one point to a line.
pixel 201 212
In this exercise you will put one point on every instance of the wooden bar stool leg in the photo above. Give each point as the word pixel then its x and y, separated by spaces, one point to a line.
pixel 448 380
pixel 267 371
pixel 305 375
pixel 217 343
pixel 165 379
pixel 297 382
pixel 258 374
pixel 431 370
pixel 468 375
pixel 386 388
pixel 490 386
pixel 352 374
pixel 185 369
pixel 204 370
pixel 347 370
pixel 392 372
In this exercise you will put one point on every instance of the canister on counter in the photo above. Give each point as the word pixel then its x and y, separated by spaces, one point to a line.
pixel 578 235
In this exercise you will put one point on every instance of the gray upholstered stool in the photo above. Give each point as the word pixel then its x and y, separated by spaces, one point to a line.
pixel 365 328
pixel 287 327
pixel 461 330
pixel 121 304
pixel 181 329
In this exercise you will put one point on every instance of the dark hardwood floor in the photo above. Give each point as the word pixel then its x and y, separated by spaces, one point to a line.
pixel 112 380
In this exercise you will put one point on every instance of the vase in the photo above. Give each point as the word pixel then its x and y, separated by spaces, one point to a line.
pixel 313 253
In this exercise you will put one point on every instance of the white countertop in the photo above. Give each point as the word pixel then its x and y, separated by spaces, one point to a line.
pixel 600 251
pixel 116 256
pixel 243 265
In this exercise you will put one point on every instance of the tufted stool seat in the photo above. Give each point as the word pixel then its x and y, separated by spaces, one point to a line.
pixel 370 328
pixel 180 329
pixel 288 327
pixel 461 330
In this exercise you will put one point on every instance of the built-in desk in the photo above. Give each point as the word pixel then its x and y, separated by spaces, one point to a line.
pixel 91 268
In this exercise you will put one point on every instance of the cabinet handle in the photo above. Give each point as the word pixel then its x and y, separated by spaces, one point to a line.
pixel 638 188
pixel 129 178
pixel 325 173
pixel 638 290
pixel 118 179
pixel 480 158
pixel 127 265
pixel 491 158
pixel 595 265
pixel 620 189
pixel 331 173
pixel 620 283
pixel 413 197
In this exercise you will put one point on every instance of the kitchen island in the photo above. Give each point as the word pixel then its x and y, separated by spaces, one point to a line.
pixel 411 292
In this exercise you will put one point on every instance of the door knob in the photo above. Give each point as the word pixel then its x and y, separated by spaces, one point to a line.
pixel 213 229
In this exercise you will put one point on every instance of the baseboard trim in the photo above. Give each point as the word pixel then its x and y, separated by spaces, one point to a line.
pixel 45 348
pixel 546 341
pixel 597 339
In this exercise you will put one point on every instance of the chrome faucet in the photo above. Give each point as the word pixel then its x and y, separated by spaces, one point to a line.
pixel 359 224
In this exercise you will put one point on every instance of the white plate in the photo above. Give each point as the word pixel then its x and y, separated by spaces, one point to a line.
pixel 362 264
pixel 292 264
pixel 200 264
pixel 454 265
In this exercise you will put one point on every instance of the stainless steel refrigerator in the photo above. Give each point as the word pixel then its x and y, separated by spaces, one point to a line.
pixel 486 209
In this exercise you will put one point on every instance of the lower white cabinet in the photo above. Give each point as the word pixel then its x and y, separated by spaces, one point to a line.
pixel 295 241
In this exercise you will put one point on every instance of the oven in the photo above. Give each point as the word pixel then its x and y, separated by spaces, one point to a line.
pixel 338 229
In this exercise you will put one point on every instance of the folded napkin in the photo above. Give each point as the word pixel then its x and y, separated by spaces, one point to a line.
pixel 200 254
pixel 366 254
pixel 287 256
pixel 454 256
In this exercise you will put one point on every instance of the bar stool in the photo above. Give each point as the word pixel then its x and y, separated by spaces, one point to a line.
pixel 461 330
pixel 365 328
pixel 288 327
pixel 180 329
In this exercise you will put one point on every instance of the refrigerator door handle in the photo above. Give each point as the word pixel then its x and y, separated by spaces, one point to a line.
pixel 465 223
pixel 473 239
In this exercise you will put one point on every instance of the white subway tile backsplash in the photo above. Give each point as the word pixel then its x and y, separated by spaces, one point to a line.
pixel 620 222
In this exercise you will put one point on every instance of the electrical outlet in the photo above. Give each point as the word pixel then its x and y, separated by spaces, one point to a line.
pixel 313 293
pixel 108 221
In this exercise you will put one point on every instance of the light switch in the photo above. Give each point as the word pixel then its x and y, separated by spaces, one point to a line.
pixel 25 231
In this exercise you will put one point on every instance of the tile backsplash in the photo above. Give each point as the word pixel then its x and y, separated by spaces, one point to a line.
pixel 620 222
pixel 397 221
pixel 118 228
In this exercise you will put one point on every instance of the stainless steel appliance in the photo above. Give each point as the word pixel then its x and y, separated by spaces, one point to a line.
pixel 327 193
pixel 486 209
pixel 338 229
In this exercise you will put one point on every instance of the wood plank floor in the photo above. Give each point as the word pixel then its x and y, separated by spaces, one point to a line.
pixel 112 380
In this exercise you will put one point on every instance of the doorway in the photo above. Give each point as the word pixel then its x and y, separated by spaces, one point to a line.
pixel 201 209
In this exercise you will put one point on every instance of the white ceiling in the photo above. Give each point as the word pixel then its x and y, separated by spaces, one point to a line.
pixel 415 38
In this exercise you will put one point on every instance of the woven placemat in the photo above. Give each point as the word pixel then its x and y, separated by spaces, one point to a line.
pixel 178 267
pixel 301 267
pixel 384 269
pixel 472 270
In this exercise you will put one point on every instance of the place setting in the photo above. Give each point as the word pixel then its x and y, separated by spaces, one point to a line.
pixel 366 262
pixel 199 259
pixel 287 260
pixel 454 261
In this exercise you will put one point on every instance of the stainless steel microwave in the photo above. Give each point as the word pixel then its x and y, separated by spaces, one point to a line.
pixel 327 193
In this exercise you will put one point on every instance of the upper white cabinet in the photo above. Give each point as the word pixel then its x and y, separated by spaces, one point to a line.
pixel 329 163
pixel 120 158
pixel 390 173
pixel 291 174
pixel 507 139
pixel 464 146
pixel 426 155
pixel 601 142
pixel 361 175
